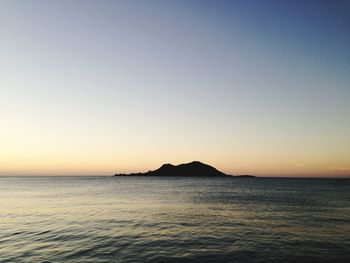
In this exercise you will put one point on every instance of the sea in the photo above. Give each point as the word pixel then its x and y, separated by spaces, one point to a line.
pixel 174 219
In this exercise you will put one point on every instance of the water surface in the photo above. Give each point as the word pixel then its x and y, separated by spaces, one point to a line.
pixel 135 219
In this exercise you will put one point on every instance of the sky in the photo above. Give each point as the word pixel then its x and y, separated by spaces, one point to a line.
pixel 250 87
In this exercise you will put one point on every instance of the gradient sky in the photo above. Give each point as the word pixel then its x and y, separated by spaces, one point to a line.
pixel 97 87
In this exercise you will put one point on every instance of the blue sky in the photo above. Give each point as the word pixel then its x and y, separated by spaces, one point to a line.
pixel 90 87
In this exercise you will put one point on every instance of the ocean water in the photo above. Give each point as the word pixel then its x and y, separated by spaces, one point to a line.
pixel 135 219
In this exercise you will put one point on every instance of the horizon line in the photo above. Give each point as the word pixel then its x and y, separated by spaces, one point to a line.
pixel 237 176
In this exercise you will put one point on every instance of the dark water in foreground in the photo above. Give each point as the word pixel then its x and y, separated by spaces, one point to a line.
pixel 130 219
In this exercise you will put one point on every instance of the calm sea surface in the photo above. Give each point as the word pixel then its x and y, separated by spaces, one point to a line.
pixel 130 219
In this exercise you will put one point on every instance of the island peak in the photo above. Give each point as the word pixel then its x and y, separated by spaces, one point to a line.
pixel 192 169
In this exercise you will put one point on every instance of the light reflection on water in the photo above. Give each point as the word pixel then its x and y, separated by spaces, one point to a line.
pixel 130 219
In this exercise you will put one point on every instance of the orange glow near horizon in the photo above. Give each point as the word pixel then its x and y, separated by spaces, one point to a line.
pixel 95 164
pixel 42 150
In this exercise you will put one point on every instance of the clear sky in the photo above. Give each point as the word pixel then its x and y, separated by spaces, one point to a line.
pixel 250 87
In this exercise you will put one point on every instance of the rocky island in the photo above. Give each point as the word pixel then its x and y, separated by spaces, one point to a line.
pixel 192 169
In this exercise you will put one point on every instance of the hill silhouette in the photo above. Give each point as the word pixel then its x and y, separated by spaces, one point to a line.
pixel 192 169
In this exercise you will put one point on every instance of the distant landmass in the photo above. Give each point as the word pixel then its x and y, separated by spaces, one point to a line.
pixel 245 175
pixel 192 169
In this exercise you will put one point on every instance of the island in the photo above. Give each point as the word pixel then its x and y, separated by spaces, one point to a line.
pixel 192 169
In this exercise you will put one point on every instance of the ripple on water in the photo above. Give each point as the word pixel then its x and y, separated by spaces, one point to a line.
pixel 173 220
